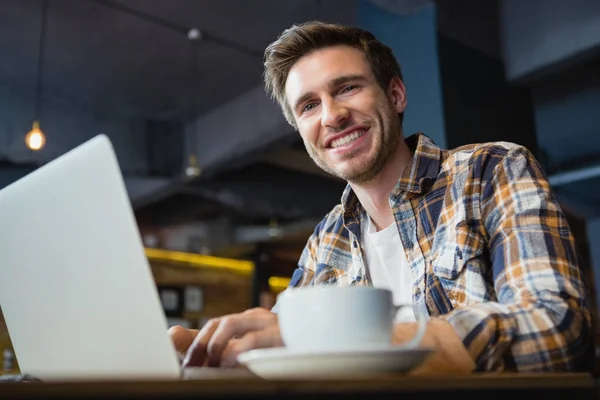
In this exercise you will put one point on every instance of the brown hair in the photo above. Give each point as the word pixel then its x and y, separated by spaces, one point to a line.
pixel 300 40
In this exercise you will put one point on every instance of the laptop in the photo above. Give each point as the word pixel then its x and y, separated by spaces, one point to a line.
pixel 76 288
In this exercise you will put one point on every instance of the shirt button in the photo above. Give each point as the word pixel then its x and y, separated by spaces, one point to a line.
pixel 418 293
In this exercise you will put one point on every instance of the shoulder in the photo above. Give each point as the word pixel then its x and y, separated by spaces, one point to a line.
pixel 332 222
pixel 481 159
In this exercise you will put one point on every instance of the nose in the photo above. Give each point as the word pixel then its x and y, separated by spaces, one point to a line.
pixel 333 114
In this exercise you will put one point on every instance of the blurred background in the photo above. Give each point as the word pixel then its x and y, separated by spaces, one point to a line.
pixel 224 193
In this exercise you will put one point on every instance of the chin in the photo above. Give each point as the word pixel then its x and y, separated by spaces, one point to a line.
pixel 351 174
pixel 363 172
pixel 355 166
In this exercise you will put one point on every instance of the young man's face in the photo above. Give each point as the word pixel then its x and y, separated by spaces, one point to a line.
pixel 349 125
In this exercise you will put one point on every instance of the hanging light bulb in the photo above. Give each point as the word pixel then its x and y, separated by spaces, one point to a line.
pixel 193 170
pixel 35 139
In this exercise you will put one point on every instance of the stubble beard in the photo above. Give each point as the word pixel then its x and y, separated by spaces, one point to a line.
pixel 386 137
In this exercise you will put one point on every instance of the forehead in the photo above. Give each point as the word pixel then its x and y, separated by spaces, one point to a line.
pixel 312 72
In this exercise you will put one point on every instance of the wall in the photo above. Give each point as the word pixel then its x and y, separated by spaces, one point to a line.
pixel 479 104
pixel 566 107
pixel 413 39
pixel 566 116
pixel 593 234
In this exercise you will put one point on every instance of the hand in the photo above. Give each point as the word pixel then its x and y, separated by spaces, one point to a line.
pixel 222 339
pixel 450 355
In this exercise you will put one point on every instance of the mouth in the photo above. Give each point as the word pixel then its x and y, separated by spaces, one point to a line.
pixel 346 138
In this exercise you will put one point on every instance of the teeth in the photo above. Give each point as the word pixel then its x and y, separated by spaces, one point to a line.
pixel 346 139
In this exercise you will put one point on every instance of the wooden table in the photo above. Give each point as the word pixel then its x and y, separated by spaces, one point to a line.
pixel 481 387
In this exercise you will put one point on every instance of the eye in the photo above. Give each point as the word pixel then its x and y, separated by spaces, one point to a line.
pixel 349 88
pixel 308 107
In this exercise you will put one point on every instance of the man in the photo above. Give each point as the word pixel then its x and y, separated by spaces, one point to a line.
pixel 471 237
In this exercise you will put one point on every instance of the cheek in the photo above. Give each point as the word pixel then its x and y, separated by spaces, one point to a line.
pixel 309 133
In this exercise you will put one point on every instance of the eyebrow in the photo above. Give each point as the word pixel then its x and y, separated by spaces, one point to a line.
pixel 332 84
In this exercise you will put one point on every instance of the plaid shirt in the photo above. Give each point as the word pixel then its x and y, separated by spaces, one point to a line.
pixel 490 252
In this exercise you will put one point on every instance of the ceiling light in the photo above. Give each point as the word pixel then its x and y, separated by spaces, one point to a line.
pixel 193 170
pixel 35 139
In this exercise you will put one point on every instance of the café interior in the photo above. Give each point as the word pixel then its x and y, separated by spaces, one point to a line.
pixel 224 193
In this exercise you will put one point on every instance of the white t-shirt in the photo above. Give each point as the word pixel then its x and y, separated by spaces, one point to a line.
pixel 388 266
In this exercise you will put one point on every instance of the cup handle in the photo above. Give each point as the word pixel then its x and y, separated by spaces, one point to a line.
pixel 421 328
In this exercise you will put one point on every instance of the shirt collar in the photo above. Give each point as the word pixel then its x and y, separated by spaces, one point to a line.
pixel 418 176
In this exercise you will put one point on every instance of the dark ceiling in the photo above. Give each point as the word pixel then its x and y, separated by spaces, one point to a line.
pixel 133 56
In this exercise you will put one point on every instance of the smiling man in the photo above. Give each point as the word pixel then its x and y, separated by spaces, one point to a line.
pixel 473 237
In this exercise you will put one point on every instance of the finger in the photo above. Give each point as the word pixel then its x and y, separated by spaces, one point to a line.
pixel 229 348
pixel 255 310
pixel 269 337
pixel 182 338
pixel 232 326
pixel 196 353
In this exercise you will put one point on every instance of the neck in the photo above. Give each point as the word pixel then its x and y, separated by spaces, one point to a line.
pixel 374 195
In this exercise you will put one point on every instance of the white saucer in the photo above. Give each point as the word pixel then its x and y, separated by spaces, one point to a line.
pixel 282 363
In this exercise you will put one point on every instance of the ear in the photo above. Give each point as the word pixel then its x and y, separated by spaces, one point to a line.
pixel 397 94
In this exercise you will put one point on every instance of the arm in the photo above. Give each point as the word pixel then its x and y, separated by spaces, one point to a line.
pixel 541 321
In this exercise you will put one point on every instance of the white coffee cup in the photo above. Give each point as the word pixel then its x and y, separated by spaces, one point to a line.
pixel 329 318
